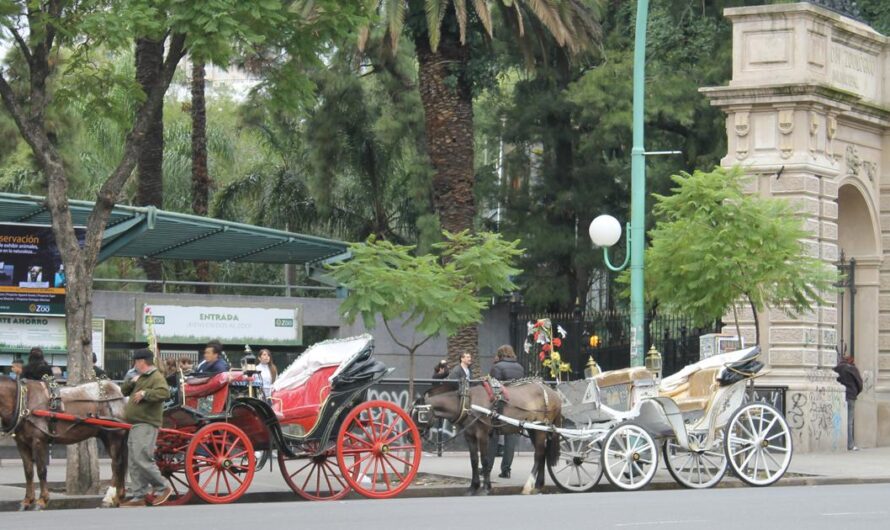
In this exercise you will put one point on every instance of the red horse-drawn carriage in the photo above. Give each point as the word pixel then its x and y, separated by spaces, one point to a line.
pixel 328 438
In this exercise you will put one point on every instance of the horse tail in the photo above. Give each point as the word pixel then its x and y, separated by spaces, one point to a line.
pixel 552 448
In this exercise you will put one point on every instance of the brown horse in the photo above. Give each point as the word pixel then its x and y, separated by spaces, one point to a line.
pixel 523 400
pixel 33 434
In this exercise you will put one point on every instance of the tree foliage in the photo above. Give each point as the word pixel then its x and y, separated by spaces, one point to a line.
pixel 713 245
pixel 436 293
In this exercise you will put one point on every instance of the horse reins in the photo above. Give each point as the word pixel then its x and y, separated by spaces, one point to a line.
pixel 20 411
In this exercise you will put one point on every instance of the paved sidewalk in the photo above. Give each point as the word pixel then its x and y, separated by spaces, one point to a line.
pixel 450 474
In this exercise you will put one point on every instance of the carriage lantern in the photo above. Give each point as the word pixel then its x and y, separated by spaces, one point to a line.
pixel 653 362
pixel 592 369
pixel 248 361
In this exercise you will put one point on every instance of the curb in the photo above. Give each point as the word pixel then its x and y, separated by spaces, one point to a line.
pixel 95 501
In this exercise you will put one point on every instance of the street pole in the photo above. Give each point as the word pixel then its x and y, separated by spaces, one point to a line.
pixel 638 192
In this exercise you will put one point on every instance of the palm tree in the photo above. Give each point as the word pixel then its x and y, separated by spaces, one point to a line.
pixel 200 175
pixel 443 32
pixel 149 172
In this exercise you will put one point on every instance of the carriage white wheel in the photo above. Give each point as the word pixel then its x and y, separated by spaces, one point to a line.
pixel 579 466
pixel 758 444
pixel 630 456
pixel 697 469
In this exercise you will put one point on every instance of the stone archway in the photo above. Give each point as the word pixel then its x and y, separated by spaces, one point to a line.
pixel 808 115
pixel 859 241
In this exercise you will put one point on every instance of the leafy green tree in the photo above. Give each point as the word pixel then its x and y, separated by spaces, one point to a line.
pixel 436 293
pixel 56 41
pixel 713 245
pixel 351 165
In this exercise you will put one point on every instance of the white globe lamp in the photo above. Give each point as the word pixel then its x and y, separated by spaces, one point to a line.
pixel 605 231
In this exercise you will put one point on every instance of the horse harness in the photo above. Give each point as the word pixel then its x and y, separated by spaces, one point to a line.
pixel 55 401
pixel 19 412
pixel 497 394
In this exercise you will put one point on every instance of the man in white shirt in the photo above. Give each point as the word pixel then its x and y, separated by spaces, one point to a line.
pixel 462 370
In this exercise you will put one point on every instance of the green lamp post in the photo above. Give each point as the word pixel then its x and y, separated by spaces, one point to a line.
pixel 605 230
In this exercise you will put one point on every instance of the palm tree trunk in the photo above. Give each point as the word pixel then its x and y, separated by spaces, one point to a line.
pixel 448 112
pixel 150 170
pixel 200 175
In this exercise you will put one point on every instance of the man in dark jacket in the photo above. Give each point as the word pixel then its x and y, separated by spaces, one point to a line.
pixel 213 362
pixel 462 370
pixel 441 370
pixel 145 410
pixel 505 368
pixel 100 372
pixel 848 375
pixel 37 366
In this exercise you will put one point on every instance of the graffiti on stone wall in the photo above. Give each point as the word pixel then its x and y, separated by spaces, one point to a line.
pixel 868 381
pixel 815 415
pixel 393 395
pixel 774 396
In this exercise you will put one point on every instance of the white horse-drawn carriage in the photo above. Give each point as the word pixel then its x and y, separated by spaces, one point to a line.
pixel 617 423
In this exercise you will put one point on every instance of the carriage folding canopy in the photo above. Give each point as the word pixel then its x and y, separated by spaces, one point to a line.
pixel 146 232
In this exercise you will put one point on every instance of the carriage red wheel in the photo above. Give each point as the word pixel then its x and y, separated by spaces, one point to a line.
pixel 378 449
pixel 315 478
pixel 220 463
pixel 170 458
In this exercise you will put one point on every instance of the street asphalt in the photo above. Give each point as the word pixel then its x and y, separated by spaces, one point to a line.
pixel 806 507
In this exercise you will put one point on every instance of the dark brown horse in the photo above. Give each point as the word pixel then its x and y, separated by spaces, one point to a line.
pixel 33 434
pixel 524 400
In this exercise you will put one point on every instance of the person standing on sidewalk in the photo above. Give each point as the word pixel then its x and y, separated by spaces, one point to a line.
pixel 848 375
pixel 16 369
pixel 462 370
pixel 505 368
pixel 147 390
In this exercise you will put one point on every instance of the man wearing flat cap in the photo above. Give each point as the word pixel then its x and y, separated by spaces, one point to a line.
pixel 147 390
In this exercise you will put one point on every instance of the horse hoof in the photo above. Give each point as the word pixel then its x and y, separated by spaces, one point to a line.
pixel 38 508
pixel 24 507
pixel 484 492
pixel 470 492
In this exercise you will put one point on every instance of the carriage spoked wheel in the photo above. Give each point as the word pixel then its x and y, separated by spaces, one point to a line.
pixel 696 468
pixel 220 463
pixel 172 467
pixel 169 456
pixel 315 478
pixel 630 456
pixel 758 444
pixel 378 449
pixel 579 467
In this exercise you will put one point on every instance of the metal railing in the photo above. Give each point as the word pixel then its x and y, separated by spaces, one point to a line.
pixel 165 283
pixel 674 336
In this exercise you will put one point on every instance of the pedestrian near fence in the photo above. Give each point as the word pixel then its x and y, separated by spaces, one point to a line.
pixel 505 368
pixel 147 390
pixel 848 375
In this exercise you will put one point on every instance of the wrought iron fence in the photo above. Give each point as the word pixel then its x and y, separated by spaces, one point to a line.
pixel 674 336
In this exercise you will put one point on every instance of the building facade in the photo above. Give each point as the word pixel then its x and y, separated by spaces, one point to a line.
pixel 808 115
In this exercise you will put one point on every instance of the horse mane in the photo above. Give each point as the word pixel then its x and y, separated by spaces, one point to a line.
pixel 524 381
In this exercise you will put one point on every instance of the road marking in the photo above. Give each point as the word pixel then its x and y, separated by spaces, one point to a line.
pixel 656 523
pixel 834 514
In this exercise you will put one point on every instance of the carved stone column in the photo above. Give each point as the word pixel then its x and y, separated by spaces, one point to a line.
pixel 806 116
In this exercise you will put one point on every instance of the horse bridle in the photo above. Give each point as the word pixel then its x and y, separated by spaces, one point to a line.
pixel 19 412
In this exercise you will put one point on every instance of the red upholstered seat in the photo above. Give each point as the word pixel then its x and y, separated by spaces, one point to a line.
pixel 206 387
pixel 301 405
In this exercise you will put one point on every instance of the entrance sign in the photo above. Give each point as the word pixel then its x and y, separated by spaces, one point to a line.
pixel 194 324
pixel 20 333
pixel 32 277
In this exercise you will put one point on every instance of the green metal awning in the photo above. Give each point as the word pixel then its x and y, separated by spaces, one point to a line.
pixel 146 232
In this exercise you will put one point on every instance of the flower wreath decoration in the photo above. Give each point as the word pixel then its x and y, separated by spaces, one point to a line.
pixel 540 340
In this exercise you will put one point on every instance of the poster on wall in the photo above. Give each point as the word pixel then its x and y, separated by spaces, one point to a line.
pixel 32 276
pixel 20 333
pixel 196 324
pixel 99 341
